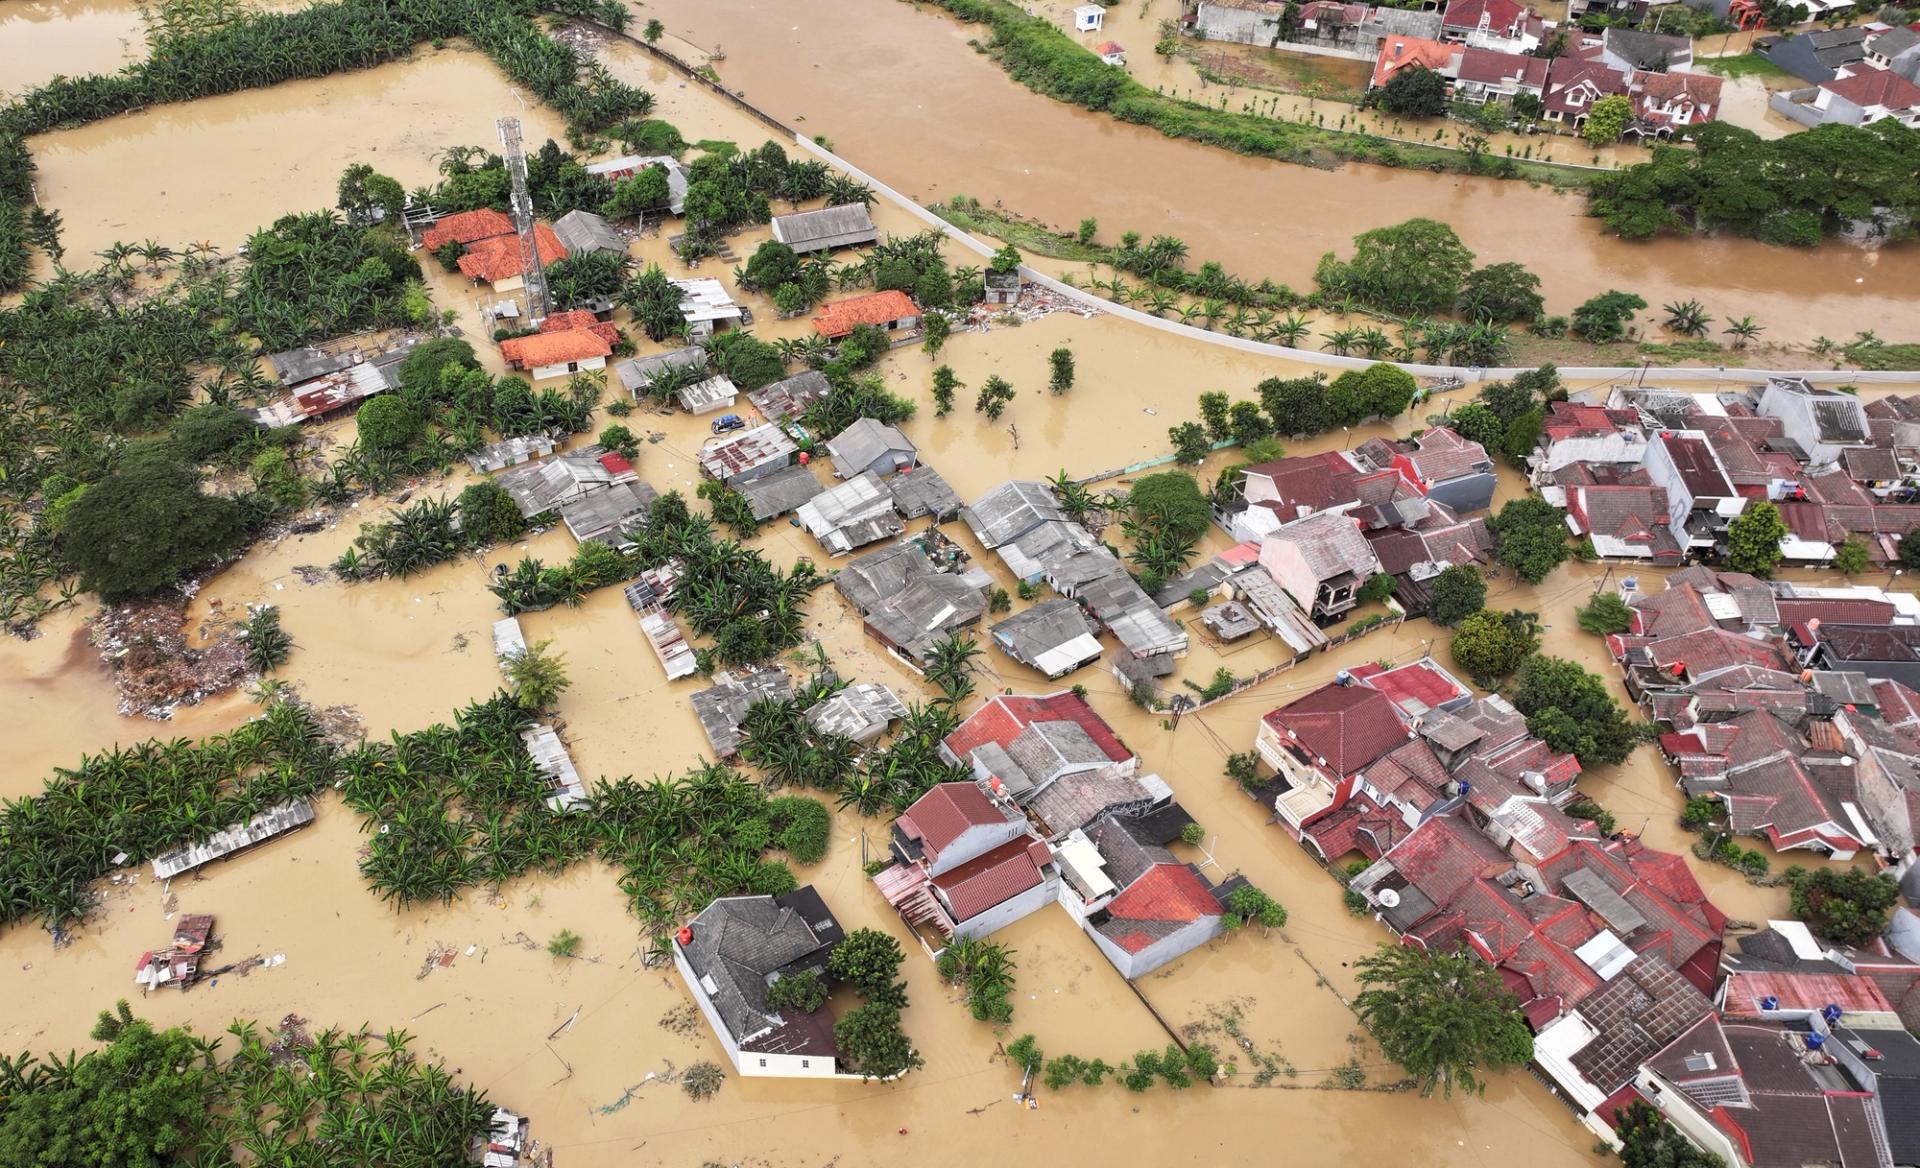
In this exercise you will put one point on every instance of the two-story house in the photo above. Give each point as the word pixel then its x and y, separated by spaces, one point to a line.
pixel 965 863
pixel 1320 743
pixel 1321 561
pixel 1701 499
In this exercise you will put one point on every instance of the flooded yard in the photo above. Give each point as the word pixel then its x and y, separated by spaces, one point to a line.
pixel 473 979
pixel 44 39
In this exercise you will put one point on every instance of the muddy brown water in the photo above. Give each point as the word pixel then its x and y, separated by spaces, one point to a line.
pixel 43 39
pixel 408 652
pixel 900 93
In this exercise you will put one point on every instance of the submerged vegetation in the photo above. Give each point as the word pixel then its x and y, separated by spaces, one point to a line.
pixel 327 1100
pixel 145 800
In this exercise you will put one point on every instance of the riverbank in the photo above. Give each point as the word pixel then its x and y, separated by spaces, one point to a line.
pixel 1042 57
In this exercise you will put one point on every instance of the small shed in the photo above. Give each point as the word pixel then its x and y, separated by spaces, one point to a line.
pixel 862 712
pixel 723 706
pixel 1089 18
pixel 566 789
pixel 776 494
pixel 1003 288
pixel 628 165
pixel 847 225
pixel 706 307
pixel 637 374
pixel 1111 52
pixel 788 398
pixel 510 452
pixel 1230 621
pixel 870 446
pixel 748 455
pixel 705 397
pixel 921 491
pixel 583 231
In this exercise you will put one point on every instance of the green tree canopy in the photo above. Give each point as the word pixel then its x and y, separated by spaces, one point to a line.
pixel 1753 539
pixel 773 263
pixel 1533 537
pixel 1458 593
pixel 1414 267
pixel 146 524
pixel 1607 119
pixel 1844 905
pixel 868 960
pixel 1608 613
pixel 1490 644
pixel 1604 317
pixel 1500 294
pixel 1647 1140
pixel 1477 423
pixel 387 424
pixel 210 429
pixel 1444 1015
pixel 1572 710
pixel 1415 92
pixel 1171 504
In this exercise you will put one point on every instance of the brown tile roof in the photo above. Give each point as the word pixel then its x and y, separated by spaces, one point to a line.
pixel 990 878
pixel 838 319
pixel 1440 454
pixel 1348 725
pixel 466 227
pixel 1163 900
pixel 946 811
pixel 500 258
pixel 1411 52
pixel 554 348
pixel 1871 87
pixel 1868 465
pixel 1646 1006
pixel 1444 855
pixel 1492 67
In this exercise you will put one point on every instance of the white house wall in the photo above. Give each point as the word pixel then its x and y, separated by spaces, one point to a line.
pixel 1174 945
pixel 1010 910
pixel 976 841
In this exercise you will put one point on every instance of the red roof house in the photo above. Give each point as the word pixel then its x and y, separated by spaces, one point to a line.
pixel 1005 717
pixel 951 824
pixel 1398 53
pixel 1166 912
pixel 992 878
pixel 466 227
pixel 546 350
pixel 888 310
pixel 500 258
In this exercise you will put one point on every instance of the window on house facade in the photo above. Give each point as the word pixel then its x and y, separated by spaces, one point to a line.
pixel 763 1062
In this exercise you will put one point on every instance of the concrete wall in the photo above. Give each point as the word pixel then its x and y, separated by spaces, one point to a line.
pixel 1282 559
pixel 780 1066
pixel 1177 944
pixel 1217 22
pixel 1010 910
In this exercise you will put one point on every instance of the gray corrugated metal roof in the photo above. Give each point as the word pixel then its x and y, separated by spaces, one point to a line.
pixel 789 397
pixel 584 231
pixel 635 373
pixel 609 511
pixel 722 706
pixel 826 227
pixel 1037 635
pixel 1010 510
pixel 773 495
pixel 866 443
pixel 923 492
pixel 853 514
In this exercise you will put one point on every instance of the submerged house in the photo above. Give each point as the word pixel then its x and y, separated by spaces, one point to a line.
pixel 750 455
pixel 851 515
pixel 862 712
pixel 731 955
pixel 584 231
pixel 1321 561
pixel 638 374
pixel 552 483
pixel 871 446
pixel 965 865
pixel 274 821
pixel 847 225
pixel 565 343
pixel 890 311
pixel 1053 637
pixel 722 707
pixel 906 602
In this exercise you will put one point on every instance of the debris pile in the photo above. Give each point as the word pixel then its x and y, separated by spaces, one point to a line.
pixel 155 671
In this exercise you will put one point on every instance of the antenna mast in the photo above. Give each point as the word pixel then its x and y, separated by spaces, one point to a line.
pixel 534 275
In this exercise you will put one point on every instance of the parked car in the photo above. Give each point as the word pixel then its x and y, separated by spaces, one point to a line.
pixel 727 423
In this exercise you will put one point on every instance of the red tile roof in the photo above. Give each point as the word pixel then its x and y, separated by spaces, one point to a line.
pixel 1003 718
pixel 571 319
pixel 1492 67
pixel 1444 855
pixel 466 227
pixel 1801 991
pixel 1107 48
pixel 554 348
pixel 881 308
pixel 1500 14
pixel 1419 681
pixel 499 258
pixel 1348 725
pixel 1871 87
pixel 945 812
pixel 989 878
pixel 1164 893
pixel 616 463
pixel 1408 52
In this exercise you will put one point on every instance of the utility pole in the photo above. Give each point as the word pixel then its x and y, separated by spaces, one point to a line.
pixel 532 272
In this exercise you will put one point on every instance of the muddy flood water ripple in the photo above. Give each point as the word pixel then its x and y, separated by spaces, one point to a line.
pixel 404 653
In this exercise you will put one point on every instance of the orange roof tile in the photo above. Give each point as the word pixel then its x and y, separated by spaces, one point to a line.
pixel 544 348
pixel 570 319
pixel 837 320
pixel 1404 52
pixel 499 258
pixel 466 227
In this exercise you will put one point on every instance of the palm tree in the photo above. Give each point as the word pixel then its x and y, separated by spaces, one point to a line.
pixel 538 678
pixel 1160 301
pixel 1688 318
pixel 1289 330
pixel 1342 341
pixel 1373 342
pixel 1743 330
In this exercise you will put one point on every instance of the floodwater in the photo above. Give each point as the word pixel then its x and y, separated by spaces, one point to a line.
pixel 147 175
pixel 43 39
pixel 404 653
pixel 900 93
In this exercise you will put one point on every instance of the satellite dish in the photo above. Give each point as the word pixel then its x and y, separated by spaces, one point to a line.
pixel 1388 898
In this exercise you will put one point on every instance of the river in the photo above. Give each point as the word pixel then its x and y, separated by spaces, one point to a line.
pixel 898 91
